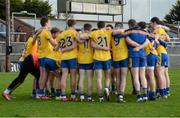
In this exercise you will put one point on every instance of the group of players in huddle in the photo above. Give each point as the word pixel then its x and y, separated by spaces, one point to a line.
pixel 104 52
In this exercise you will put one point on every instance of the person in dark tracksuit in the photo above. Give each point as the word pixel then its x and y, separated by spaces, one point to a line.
pixel 29 65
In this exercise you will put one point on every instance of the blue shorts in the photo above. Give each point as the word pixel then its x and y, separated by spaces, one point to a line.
pixel 163 60
pixel 137 62
pixel 86 66
pixel 42 62
pixel 152 60
pixel 103 65
pixel 50 64
pixel 121 64
pixel 70 64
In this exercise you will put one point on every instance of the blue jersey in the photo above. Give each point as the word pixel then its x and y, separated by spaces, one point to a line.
pixel 138 36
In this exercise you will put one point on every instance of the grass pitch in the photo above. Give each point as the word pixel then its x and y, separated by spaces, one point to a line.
pixel 25 106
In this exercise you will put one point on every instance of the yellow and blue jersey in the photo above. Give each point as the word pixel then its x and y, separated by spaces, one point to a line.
pixel 44 46
pixel 55 55
pixel 66 39
pixel 151 48
pixel 163 36
pixel 119 48
pixel 85 52
pixel 103 39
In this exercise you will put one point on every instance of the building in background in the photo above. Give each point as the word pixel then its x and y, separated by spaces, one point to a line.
pixel 141 10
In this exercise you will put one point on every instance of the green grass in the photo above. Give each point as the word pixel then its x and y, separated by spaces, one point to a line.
pixel 24 105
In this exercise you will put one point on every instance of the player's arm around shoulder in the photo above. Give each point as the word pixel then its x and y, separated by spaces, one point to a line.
pixel 118 31
pixel 50 38
pixel 98 47
pixel 36 35
pixel 145 44
pixel 58 41
pixel 82 36
pixel 73 46
pixel 130 42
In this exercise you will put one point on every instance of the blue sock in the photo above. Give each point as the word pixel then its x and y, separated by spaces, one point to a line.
pixel 81 93
pixel 73 92
pixel 63 94
pixel 58 92
pixel 138 96
pixel 158 91
pixel 41 92
pixel 161 91
pixel 152 95
pixel 113 87
pixel 149 94
pixel 34 91
pixel 165 92
pixel 168 90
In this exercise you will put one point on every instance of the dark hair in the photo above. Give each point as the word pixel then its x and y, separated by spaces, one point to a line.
pixel 55 30
pixel 132 23
pixel 155 19
pixel 43 21
pixel 162 23
pixel 71 22
pixel 142 24
pixel 87 26
pixel 101 24
pixel 109 25
pixel 94 29
pixel 118 24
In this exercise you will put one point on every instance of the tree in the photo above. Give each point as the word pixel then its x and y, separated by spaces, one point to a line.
pixel 16 5
pixel 41 8
pixel 174 14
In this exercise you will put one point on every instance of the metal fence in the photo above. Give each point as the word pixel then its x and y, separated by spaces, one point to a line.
pixel 17 48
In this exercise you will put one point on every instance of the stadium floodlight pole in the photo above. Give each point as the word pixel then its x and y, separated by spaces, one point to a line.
pixel 8 31
pixel 131 9
pixel 67 8
pixel 179 29
pixel 8 35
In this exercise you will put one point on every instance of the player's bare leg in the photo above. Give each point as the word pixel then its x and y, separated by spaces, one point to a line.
pixel 90 84
pixel 58 84
pixel 63 82
pixel 107 83
pixel 136 83
pixel 42 82
pixel 160 80
pixel 143 82
pixel 117 74
pixel 113 81
pixel 81 83
pixel 167 81
pixel 151 83
pixel 122 85
pixel 99 84
pixel 73 83
pixel 51 79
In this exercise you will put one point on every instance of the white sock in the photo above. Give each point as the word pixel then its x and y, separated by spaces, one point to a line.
pixel 7 91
